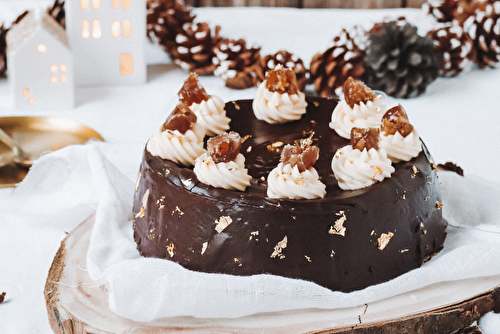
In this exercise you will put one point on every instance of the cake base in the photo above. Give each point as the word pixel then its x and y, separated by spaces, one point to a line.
pixel 76 305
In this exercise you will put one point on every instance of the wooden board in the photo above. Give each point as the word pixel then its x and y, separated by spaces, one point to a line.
pixel 358 4
pixel 75 304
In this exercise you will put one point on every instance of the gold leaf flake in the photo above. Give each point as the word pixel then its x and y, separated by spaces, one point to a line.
pixel 204 247
pixel 332 253
pixel 187 182
pixel 404 250
pixel 254 234
pixel 170 249
pixel 316 103
pixel 262 178
pixel 249 149
pixel 245 138
pixel 236 105
pixel 384 240
pixel 237 261
pixel 415 172
pixel 222 223
pixel 338 228
pixel 278 249
pixel 145 198
pixel 179 212
pixel 308 258
pixel 167 171
pixel 161 203
pixel 152 234
pixel 277 144
pixel 439 205
pixel 313 121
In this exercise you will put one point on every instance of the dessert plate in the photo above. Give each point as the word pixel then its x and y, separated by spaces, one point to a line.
pixel 37 135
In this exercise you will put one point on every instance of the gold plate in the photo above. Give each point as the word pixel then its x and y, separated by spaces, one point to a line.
pixel 37 135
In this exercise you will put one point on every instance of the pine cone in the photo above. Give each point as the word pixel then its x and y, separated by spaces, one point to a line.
pixel 3 50
pixel 57 12
pixel 164 20
pixel 442 10
pixel 454 48
pixel 400 62
pixel 331 68
pixel 194 47
pixel 470 330
pixel 288 60
pixel 484 29
pixel 236 63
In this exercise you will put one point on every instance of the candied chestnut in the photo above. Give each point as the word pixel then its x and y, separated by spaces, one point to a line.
pixel 282 80
pixel 224 147
pixel 181 119
pixel 396 120
pixel 356 91
pixel 362 138
pixel 302 154
pixel 192 91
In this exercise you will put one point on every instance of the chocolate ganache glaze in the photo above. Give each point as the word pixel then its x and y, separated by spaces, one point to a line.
pixel 346 241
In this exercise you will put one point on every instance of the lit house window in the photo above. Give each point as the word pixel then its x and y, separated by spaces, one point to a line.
pixel 85 29
pixel 41 48
pixel 126 4
pixel 96 28
pixel 115 28
pixel 118 28
pixel 126 64
pixel 127 28
pixel 84 4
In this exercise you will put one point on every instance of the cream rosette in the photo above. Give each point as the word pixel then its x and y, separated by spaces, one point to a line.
pixel 355 169
pixel 228 175
pixel 286 181
pixel 211 115
pixel 180 148
pixel 274 107
pixel 401 148
pixel 362 115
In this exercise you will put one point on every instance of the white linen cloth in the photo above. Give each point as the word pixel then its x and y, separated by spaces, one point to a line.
pixel 102 178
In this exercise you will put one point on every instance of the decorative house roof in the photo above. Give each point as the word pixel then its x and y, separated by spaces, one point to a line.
pixel 30 25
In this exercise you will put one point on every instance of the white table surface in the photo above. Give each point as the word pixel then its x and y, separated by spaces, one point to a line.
pixel 458 118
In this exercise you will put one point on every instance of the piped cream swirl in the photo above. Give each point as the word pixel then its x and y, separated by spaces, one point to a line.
pixel 355 169
pixel 286 181
pixel 211 115
pixel 362 115
pixel 228 175
pixel 178 147
pixel 274 107
pixel 401 148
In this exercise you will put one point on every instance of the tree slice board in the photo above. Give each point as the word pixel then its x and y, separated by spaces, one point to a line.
pixel 75 304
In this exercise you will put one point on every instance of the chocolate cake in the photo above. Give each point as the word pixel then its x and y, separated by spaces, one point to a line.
pixel 346 241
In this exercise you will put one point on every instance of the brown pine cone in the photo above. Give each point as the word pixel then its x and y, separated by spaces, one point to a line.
pixel 288 60
pixel 164 19
pixel 331 68
pixel 454 48
pixel 57 12
pixel 236 63
pixel 484 29
pixel 442 10
pixel 194 47
pixel 3 50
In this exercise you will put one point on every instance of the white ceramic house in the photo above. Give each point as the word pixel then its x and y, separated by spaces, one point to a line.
pixel 40 64
pixel 108 40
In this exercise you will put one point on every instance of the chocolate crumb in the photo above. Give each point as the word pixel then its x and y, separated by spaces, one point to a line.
pixel 2 297
pixel 451 167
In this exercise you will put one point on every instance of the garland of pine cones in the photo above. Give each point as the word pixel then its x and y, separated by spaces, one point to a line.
pixel 391 56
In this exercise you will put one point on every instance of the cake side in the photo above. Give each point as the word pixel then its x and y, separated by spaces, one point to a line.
pixel 345 241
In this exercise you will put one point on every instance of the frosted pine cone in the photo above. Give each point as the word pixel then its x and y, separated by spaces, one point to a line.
pixel 236 63
pixel 400 62
pixel 194 47
pixel 329 70
pixel 468 8
pixel 484 29
pixel 164 20
pixel 442 10
pixel 288 60
pixel 454 48
pixel 3 50
pixel 57 12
